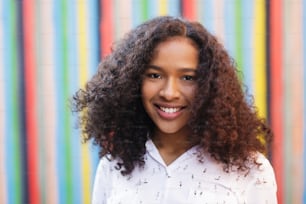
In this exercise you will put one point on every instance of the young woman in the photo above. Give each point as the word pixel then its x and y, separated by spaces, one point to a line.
pixel 172 122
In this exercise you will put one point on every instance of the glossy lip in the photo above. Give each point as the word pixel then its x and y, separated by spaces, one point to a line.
pixel 169 116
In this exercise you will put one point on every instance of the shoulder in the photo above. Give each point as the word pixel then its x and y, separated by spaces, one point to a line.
pixel 261 181
pixel 263 169
pixel 103 179
pixel 106 165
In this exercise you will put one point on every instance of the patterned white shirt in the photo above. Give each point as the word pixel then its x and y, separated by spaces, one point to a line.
pixel 184 181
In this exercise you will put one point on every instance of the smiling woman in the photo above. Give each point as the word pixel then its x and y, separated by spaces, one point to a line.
pixel 167 110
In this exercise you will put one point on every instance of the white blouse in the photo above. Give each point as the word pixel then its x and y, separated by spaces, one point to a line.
pixel 184 181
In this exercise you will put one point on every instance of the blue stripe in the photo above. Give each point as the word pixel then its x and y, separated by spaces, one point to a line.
pixel 247 62
pixel 93 12
pixel 58 53
pixel 229 37
pixel 174 7
pixel 153 9
pixel 207 16
pixel 73 63
pixel 136 13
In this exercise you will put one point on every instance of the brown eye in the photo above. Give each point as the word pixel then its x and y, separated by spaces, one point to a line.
pixel 154 76
pixel 188 78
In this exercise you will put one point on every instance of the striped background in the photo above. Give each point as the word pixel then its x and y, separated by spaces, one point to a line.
pixel 50 48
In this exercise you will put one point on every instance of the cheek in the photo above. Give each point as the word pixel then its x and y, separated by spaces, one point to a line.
pixel 146 92
pixel 189 93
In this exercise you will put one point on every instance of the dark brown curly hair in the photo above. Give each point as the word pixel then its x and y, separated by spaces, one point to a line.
pixel 224 124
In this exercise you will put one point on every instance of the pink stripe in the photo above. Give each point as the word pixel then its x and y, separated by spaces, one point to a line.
pixel 3 190
pixel 295 67
pixel 219 27
pixel 49 102
pixel 124 18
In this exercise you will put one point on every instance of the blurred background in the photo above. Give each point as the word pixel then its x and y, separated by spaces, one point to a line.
pixel 49 48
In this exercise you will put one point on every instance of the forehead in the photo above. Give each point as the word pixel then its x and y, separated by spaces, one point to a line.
pixel 176 40
pixel 178 46
pixel 176 53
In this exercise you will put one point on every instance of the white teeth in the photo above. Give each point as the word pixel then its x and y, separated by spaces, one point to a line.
pixel 169 110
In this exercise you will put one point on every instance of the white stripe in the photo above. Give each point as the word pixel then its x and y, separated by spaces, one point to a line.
pixel 49 102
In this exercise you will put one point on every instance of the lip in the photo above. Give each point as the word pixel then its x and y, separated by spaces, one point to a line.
pixel 166 115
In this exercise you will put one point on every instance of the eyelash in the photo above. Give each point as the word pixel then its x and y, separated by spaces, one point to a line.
pixel 158 76
pixel 154 76
pixel 188 78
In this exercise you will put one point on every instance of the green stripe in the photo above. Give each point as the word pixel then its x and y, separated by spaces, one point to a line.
pixel 238 36
pixel 17 181
pixel 144 10
pixel 66 115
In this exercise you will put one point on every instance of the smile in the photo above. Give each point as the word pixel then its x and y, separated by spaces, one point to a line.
pixel 169 110
pixel 169 113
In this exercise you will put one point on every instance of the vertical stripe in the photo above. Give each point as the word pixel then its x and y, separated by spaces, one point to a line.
pixel 295 67
pixel 219 27
pixel 144 5
pixel 259 57
pixel 94 57
pixel 174 7
pixel 229 37
pixel 75 17
pixel 136 18
pixel 22 104
pixel 39 105
pixel 3 173
pixel 207 16
pixel 12 129
pixel 123 17
pixel 83 77
pixel 48 100
pixel 188 9
pixel 247 46
pixel 107 28
pixel 276 84
pixel 152 9
pixel 65 177
pixel 288 117
pixel 238 35
pixel 162 7
pixel 30 97
pixel 304 93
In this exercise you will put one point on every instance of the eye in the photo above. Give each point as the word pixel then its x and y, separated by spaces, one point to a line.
pixel 188 78
pixel 153 75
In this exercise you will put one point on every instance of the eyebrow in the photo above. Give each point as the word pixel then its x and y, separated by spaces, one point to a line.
pixel 184 69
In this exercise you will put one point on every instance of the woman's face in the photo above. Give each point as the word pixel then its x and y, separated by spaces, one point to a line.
pixel 169 85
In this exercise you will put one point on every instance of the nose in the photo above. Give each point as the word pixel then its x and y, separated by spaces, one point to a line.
pixel 170 90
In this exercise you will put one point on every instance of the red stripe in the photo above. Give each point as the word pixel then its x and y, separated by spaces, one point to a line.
pixel 106 27
pixel 277 92
pixel 30 97
pixel 188 9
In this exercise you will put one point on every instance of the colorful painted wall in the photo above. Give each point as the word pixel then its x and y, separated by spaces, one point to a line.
pixel 48 49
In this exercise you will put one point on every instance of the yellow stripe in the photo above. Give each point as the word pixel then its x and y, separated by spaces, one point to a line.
pixel 83 76
pixel 260 58
pixel 162 7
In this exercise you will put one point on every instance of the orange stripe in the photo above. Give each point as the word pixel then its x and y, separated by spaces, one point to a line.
pixel 30 94
pixel 106 26
pixel 276 105
pixel 188 8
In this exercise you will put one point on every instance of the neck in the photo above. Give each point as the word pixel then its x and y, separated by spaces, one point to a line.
pixel 177 142
pixel 171 146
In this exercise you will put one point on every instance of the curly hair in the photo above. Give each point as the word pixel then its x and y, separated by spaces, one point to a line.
pixel 224 124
